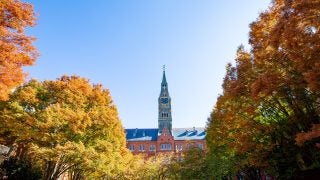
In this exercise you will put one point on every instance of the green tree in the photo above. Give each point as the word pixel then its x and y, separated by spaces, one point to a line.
pixel 193 164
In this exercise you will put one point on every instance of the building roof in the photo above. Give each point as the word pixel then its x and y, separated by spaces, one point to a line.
pixel 141 134
pixel 189 133
pixel 182 134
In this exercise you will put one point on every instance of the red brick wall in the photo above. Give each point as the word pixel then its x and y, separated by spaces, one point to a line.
pixel 165 138
pixel 185 145
pixel 146 144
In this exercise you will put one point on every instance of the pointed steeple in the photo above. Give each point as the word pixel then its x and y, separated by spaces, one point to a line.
pixel 164 80
pixel 164 85
pixel 164 116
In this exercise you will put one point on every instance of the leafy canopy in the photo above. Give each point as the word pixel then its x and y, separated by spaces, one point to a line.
pixel 66 125
pixel 16 49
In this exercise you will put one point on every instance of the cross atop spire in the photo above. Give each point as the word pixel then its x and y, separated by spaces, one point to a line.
pixel 164 67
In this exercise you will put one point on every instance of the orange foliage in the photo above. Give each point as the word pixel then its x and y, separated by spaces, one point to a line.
pixel 306 136
pixel 16 49
pixel 286 43
pixel 272 94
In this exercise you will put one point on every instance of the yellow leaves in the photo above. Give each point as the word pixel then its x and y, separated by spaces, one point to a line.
pixel 56 116
pixel 28 94
pixel 69 151
pixel 104 146
pixel 68 121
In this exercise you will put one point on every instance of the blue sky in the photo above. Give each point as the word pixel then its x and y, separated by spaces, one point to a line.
pixel 123 44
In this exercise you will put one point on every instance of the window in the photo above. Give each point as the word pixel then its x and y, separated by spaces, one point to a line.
pixel 189 146
pixel 164 114
pixel 152 147
pixel 200 146
pixel 141 147
pixel 178 147
pixel 131 147
pixel 165 146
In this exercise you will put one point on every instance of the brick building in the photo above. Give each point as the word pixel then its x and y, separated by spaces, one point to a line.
pixel 164 138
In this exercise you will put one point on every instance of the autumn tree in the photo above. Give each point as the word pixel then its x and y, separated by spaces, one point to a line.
pixel 16 49
pixel 270 100
pixel 189 164
pixel 67 125
pixel 234 136
pixel 192 164
pixel 285 44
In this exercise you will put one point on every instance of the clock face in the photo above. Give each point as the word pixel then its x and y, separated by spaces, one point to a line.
pixel 164 100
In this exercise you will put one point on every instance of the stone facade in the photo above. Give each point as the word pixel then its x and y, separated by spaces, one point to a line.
pixel 164 106
pixel 164 138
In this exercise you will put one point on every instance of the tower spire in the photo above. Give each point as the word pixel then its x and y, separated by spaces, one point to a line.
pixel 164 101
pixel 164 80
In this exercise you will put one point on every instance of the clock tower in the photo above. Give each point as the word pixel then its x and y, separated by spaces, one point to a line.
pixel 164 110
